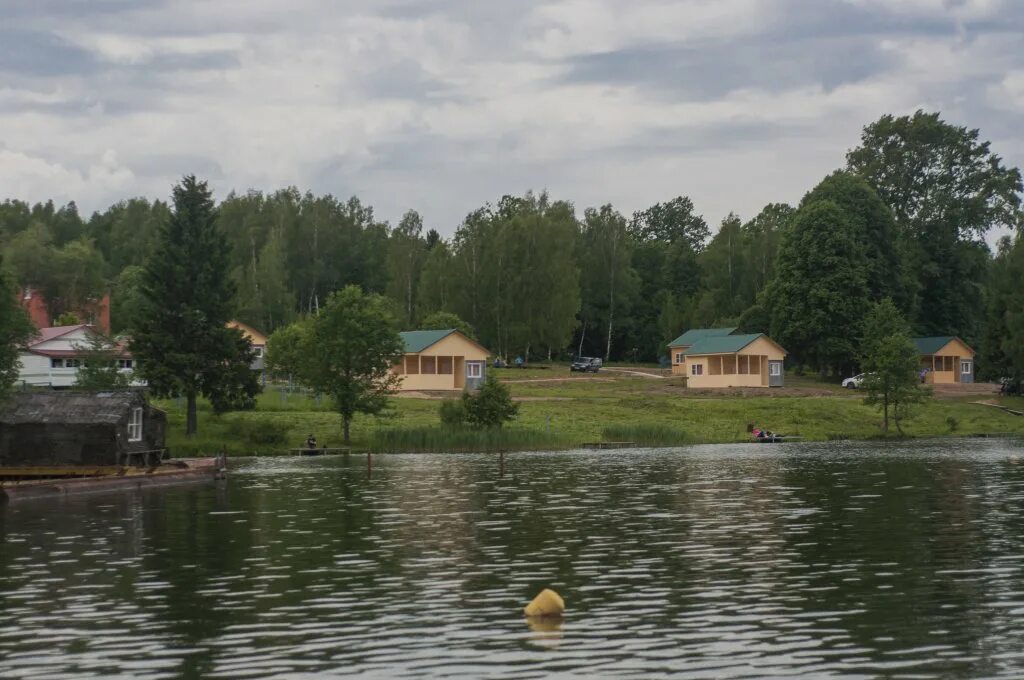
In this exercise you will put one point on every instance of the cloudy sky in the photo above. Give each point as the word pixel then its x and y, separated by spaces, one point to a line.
pixel 443 105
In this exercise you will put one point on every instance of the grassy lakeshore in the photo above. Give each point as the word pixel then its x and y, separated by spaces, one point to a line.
pixel 562 411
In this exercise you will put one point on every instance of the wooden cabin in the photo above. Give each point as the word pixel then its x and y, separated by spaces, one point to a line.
pixel 735 361
pixel 65 428
pixel 257 340
pixel 677 348
pixel 945 360
pixel 441 360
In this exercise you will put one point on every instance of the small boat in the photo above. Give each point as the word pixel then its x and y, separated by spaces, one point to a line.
pixel 776 439
pixel 769 437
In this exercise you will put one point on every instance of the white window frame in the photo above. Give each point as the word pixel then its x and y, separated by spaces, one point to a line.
pixel 258 352
pixel 56 362
pixel 474 369
pixel 135 425
pixel 679 358
pixel 125 364
pixel 774 369
pixel 965 363
pixel 697 369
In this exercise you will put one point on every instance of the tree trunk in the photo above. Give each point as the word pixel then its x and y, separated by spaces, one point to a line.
pixel 885 415
pixel 346 422
pixel 190 417
pixel 583 334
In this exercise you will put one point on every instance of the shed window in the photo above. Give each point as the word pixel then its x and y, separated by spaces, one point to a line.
pixel 679 358
pixel 474 369
pixel 257 351
pixel 135 425
pixel 965 367
pixel 775 368
pixel 697 369
pixel 56 363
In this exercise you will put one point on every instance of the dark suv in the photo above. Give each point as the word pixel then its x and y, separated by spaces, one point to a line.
pixel 586 364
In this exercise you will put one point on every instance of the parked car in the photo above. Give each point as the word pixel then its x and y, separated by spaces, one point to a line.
pixel 856 381
pixel 586 365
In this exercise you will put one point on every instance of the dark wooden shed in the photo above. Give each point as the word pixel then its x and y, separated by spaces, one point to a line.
pixel 56 428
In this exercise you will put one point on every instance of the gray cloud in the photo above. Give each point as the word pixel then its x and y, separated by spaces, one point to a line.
pixel 443 105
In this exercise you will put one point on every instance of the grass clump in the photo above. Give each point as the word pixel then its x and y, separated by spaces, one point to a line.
pixel 646 434
pixel 463 440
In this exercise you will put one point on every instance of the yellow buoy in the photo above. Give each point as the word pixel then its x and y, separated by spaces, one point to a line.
pixel 547 603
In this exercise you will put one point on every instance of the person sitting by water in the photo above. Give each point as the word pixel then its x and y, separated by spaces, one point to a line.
pixel 311 441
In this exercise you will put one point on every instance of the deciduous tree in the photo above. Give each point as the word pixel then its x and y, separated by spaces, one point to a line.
pixel 349 351
pixel 891 363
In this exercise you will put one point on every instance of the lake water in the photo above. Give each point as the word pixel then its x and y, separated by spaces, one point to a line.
pixel 822 560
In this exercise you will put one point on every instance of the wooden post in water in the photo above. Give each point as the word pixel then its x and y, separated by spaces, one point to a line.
pixel 501 463
pixel 369 465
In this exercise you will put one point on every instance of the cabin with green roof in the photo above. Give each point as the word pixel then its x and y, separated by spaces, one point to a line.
pixel 678 347
pixel 441 360
pixel 945 360
pixel 716 357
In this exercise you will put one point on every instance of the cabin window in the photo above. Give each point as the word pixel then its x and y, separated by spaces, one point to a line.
pixel 124 363
pixel 965 367
pixel 257 352
pixel 444 365
pixel 428 365
pixel 56 363
pixel 697 369
pixel 679 357
pixel 474 369
pixel 135 425
pixel 775 368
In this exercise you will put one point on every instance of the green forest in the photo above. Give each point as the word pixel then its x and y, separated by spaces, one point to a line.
pixel 909 217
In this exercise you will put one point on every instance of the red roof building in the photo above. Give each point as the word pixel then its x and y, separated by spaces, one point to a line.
pixel 96 313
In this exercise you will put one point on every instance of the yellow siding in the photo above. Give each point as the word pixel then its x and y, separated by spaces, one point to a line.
pixel 678 361
pixel 251 334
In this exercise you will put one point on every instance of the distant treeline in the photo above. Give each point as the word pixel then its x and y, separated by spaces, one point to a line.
pixel 907 219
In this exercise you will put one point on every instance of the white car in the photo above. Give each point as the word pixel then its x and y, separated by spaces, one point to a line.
pixel 855 382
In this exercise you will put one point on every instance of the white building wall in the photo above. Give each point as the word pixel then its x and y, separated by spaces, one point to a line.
pixel 35 370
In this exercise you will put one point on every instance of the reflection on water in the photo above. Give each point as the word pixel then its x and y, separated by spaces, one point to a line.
pixel 851 560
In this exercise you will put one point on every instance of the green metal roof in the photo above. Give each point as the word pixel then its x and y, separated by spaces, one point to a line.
pixel 721 344
pixel 693 335
pixel 417 341
pixel 932 345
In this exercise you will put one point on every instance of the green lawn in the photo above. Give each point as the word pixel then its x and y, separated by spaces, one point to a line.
pixel 571 412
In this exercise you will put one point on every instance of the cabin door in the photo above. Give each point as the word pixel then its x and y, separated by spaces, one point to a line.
pixel 966 371
pixel 775 374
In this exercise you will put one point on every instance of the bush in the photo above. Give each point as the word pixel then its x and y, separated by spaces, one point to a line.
pixel 464 439
pixel 646 435
pixel 492 406
pixel 453 413
pixel 265 432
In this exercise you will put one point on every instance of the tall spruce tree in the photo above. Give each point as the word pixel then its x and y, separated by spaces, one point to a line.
pixel 180 337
